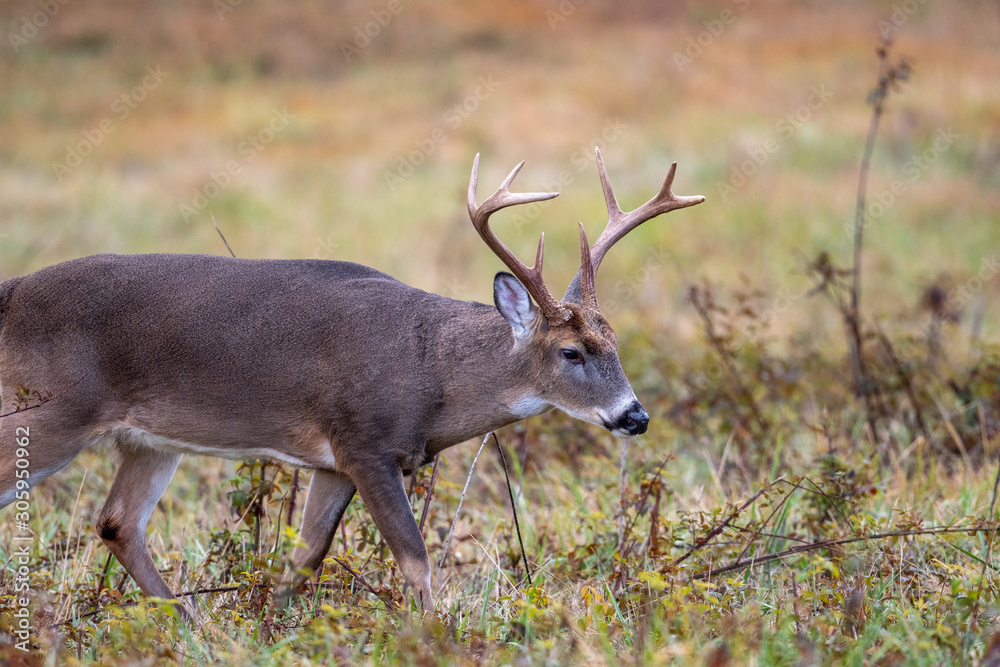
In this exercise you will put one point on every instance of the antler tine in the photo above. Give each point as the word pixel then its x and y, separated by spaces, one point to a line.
pixel 621 223
pixel 614 210
pixel 530 277
pixel 588 287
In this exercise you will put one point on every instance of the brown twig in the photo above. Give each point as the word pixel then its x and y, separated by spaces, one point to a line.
pixel 277 533
pixel 722 526
pixel 206 591
pixel 993 502
pixel 41 402
pixel 104 575
pixel 513 509
pixel 95 612
pixel 645 496
pixel 702 306
pixel 974 616
pixel 820 492
pixel 889 75
pixel 458 511
pixel 654 521
pixel 823 544
pixel 766 521
pixel 291 496
pixel 760 530
pixel 258 514
pixel 360 578
pixel 622 481
pixel 905 380
pixel 430 492
pixel 222 237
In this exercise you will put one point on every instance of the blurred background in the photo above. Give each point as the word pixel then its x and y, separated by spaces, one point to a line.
pixel 346 130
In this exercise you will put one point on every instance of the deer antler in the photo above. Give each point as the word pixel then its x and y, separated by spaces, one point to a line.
pixel 530 277
pixel 581 290
pixel 587 274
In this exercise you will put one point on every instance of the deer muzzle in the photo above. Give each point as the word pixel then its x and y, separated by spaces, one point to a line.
pixel 633 421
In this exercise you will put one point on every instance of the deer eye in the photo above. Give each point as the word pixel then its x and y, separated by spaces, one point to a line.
pixel 571 355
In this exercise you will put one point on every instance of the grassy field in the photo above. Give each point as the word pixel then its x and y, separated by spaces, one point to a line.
pixel 763 520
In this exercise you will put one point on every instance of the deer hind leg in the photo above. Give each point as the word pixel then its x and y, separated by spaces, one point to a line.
pixel 33 445
pixel 142 477
pixel 329 495
pixel 384 495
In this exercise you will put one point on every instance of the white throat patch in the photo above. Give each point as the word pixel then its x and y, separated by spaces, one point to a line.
pixel 528 406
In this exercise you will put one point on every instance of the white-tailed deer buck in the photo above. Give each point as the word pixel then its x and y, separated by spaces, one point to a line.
pixel 325 365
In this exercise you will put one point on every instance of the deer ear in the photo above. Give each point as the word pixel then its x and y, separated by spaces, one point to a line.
pixel 513 302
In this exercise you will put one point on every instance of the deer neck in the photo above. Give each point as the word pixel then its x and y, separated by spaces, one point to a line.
pixel 486 381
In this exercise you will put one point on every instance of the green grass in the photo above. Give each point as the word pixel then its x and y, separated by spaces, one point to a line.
pixel 319 189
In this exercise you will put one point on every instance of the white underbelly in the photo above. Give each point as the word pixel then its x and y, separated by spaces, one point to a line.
pixel 138 437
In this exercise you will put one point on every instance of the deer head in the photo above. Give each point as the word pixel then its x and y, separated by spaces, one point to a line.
pixel 570 348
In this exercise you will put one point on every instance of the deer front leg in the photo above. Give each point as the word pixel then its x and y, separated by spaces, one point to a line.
pixel 142 477
pixel 329 495
pixel 382 490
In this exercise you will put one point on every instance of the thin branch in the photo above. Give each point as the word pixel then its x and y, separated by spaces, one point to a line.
pixel 496 565
pixel 360 578
pixel 645 495
pixel 763 525
pixel 622 481
pixel 904 379
pixel 430 492
pixel 993 502
pixel 823 544
pixel 974 616
pixel 888 76
pixel 206 591
pixel 277 525
pixel 513 509
pixel 700 300
pixel 95 612
pixel 468 479
pixel 818 491
pixel 291 499
pixel 878 99
pixel 722 526
pixel 41 402
pixel 222 237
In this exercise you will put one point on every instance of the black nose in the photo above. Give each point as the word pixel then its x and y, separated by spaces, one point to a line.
pixel 634 421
